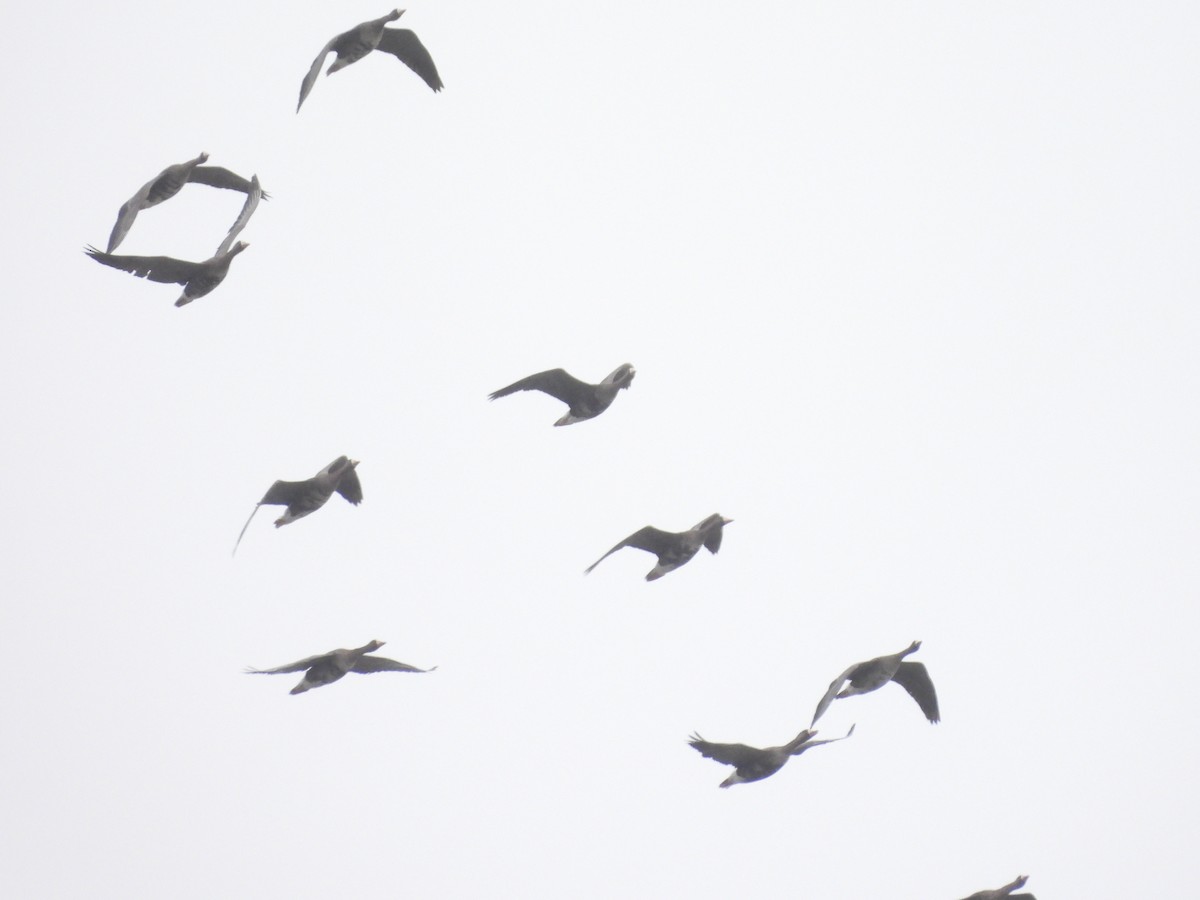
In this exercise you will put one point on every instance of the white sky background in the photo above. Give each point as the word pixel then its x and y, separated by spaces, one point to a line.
pixel 912 295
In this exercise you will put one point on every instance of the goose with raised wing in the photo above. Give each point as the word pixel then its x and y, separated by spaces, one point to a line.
pixel 197 278
pixel 586 401
pixel 326 668
pixel 351 46
pixel 673 548
pixel 167 183
pixel 757 763
pixel 304 497
pixel 1006 891
pixel 873 674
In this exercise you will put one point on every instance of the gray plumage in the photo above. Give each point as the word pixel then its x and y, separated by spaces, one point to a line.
pixel 1003 892
pixel 327 668
pixel 167 183
pixel 197 278
pixel 304 497
pixel 586 401
pixel 353 45
pixel 673 548
pixel 873 674
pixel 757 763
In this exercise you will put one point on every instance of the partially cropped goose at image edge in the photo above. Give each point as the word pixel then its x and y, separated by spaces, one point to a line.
pixel 304 497
pixel 169 182
pixel 197 278
pixel 1006 891
pixel 673 548
pixel 327 668
pixel 586 401
pixel 351 46
pixel 873 674
pixel 757 763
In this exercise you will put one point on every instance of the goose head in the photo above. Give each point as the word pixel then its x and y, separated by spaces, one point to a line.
pixel 621 376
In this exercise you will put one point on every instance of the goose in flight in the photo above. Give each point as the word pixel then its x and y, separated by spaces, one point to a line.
pixel 586 401
pixel 672 548
pixel 304 497
pixel 167 183
pixel 755 763
pixel 351 46
pixel 1006 891
pixel 875 673
pixel 197 278
pixel 327 668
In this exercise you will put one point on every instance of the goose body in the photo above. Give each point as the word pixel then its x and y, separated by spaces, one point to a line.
pixel 351 46
pixel 197 278
pixel 673 548
pixel 167 183
pixel 757 763
pixel 873 674
pixel 301 498
pixel 1004 892
pixel 327 668
pixel 585 401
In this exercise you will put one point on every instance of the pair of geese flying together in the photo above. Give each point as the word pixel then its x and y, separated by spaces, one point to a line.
pixel 197 278
pixel 304 497
pixel 326 668
pixel 756 763
pixel 586 401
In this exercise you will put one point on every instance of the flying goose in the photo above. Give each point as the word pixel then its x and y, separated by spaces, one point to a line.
pixel 167 183
pixel 875 673
pixel 304 497
pixel 353 45
pixel 586 401
pixel 197 278
pixel 754 763
pixel 329 667
pixel 1006 891
pixel 673 549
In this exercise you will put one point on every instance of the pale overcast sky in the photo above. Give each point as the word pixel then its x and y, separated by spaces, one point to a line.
pixel 912 294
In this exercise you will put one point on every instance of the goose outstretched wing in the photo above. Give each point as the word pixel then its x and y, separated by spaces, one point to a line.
pixel 311 78
pixel 285 493
pixel 834 687
pixel 558 383
pixel 298 666
pixel 125 218
pixel 350 487
pixel 252 197
pixel 404 44
pixel 651 539
pixel 164 269
pixel 807 743
pixel 220 177
pixel 914 678
pixel 368 664
pixel 731 754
